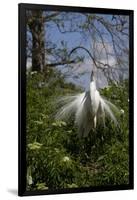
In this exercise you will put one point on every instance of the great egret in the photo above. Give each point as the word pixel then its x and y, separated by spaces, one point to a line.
pixel 87 108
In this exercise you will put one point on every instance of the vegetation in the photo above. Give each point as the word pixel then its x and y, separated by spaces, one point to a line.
pixel 56 157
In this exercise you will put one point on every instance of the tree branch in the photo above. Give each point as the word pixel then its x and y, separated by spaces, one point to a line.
pixel 62 63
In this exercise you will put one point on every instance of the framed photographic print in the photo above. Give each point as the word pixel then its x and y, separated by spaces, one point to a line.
pixel 75 99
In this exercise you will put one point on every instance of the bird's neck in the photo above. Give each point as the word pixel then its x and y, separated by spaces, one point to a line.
pixel 92 90
pixel 92 86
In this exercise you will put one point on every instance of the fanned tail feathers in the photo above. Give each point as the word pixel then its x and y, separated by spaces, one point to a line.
pixel 80 107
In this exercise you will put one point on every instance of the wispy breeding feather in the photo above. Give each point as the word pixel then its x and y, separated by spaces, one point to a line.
pixel 87 108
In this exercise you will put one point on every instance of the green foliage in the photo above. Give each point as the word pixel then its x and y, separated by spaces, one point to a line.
pixel 56 157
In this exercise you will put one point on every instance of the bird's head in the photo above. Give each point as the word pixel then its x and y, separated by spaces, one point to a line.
pixel 92 76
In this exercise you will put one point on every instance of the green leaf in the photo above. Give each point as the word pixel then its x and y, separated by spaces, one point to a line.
pixel 34 146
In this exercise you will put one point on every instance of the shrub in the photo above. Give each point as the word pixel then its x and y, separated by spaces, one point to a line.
pixel 56 157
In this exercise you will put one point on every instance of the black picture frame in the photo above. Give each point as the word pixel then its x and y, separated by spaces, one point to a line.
pixel 22 98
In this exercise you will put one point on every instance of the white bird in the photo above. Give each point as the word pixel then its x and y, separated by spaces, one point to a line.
pixel 88 108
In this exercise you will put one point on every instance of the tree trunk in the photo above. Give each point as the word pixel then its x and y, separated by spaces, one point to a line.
pixel 38 44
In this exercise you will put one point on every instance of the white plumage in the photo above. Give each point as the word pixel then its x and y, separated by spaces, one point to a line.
pixel 88 108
